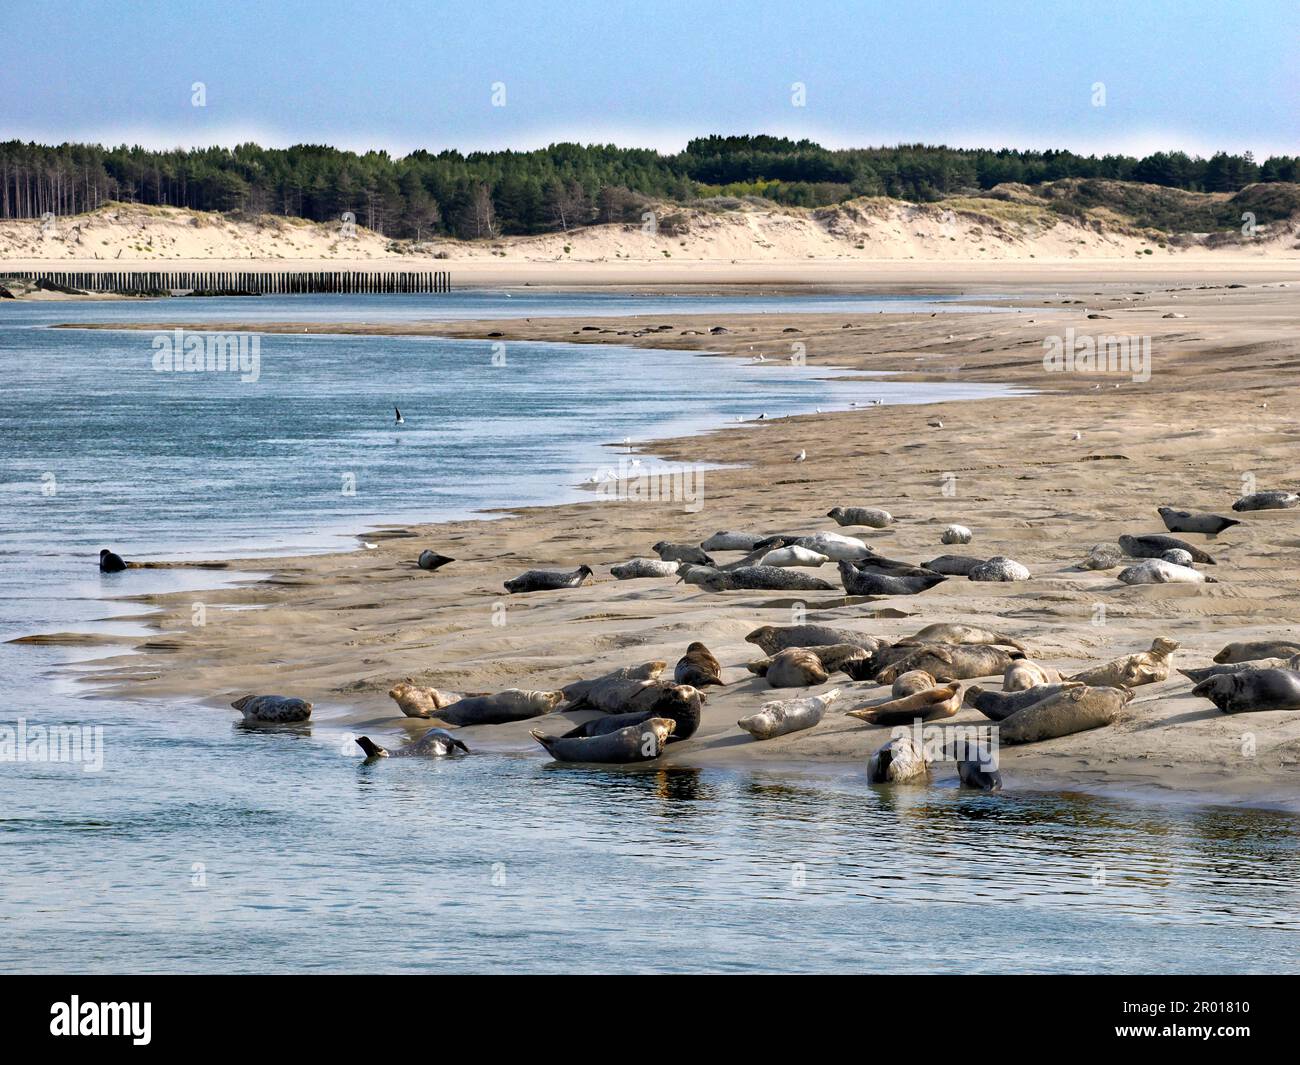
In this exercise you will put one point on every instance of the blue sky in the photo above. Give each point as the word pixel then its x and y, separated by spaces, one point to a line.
pixel 1197 75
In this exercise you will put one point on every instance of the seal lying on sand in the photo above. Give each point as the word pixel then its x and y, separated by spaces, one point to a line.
pixel 947 662
pixel 1194 521
pixel 795 667
pixel 110 563
pixel 928 705
pixel 548 580
pixel 857 582
pixel 513 704
pixel 636 743
pixel 643 567
pixel 793 556
pixel 911 682
pixel 1198 675
pixel 1068 711
pixel 675 702
pixel 681 553
pixel 1252 690
pixel 730 541
pixel 273 709
pixel 944 632
pixel 615 695
pixel 999 568
pixel 415 701
pixel 956 534
pixel 1162 571
pixel 431 560
pixel 779 718
pixel 697 667
pixel 953 565
pixel 771 638
pixel 897 762
pixel 755 578
pixel 997 706
pixel 1154 546
pixel 1024 674
pixel 867 517
pixel 1103 556
pixel 1247 651
pixel 1146 667
pixel 576 693
pixel 436 743
pixel 1267 501
pixel 836 547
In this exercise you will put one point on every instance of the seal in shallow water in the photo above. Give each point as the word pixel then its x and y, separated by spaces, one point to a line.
pixel 643 742
pixel 273 709
pixel 1252 690
pixel 780 718
pixel 513 704
pixel 110 563
pixel 898 762
pixel 548 580
pixel 436 743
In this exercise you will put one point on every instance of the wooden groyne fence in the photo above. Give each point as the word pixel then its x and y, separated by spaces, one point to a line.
pixel 262 282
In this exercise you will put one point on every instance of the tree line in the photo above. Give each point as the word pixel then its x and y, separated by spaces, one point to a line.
pixel 488 194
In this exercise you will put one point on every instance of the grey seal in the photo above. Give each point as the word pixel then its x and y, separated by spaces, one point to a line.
pixel 643 567
pixel 1145 667
pixel 730 541
pixel 1206 672
pixel 756 578
pixel 431 560
pixel 548 580
pixel 898 762
pixel 999 568
pixel 273 709
pixel 780 718
pixel 681 553
pixel 110 562
pixel 436 743
pixel 643 742
pixel 1252 690
pixel 1246 651
pixel 954 565
pixel 950 632
pixel 1103 556
pixel 698 667
pixel 997 706
pixel 866 517
pixel 1194 521
pixel 676 702
pixel 577 692
pixel 1068 711
pixel 1163 571
pixel 795 667
pixel 928 705
pixel 513 704
pixel 947 662
pixel 857 582
pixel 1155 545
pixel 772 638
pixel 1267 501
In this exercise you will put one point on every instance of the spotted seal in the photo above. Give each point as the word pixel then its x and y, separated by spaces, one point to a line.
pixel 548 580
pixel 780 718
pixel 272 709
pixel 436 743
pixel 642 742
pixel 513 704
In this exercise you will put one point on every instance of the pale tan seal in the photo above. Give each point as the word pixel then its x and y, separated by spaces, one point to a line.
pixel 947 662
pixel 795 667
pixel 928 705
pixel 779 718
pixel 1068 711
pixel 1025 673
pixel 899 761
pixel 911 682
pixel 1146 667
pixel 415 701
pixel 958 634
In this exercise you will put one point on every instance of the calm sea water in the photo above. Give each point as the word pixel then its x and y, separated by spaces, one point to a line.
pixel 201 846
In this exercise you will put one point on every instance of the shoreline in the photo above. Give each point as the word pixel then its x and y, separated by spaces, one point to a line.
pixel 837 745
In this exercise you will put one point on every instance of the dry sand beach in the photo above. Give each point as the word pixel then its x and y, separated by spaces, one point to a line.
pixel 341 629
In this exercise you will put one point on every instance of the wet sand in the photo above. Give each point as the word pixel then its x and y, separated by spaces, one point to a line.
pixel 341 629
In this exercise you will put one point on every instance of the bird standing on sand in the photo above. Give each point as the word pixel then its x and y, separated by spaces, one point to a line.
pixel 801 456
pixel 399 420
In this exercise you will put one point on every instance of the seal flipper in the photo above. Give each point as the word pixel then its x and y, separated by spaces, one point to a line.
pixel 373 750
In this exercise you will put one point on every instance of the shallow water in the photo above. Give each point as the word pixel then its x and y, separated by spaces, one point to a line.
pixel 202 846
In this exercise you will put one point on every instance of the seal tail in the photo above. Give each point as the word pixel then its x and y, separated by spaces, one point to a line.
pixel 460 744
pixel 372 749
pixel 541 737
